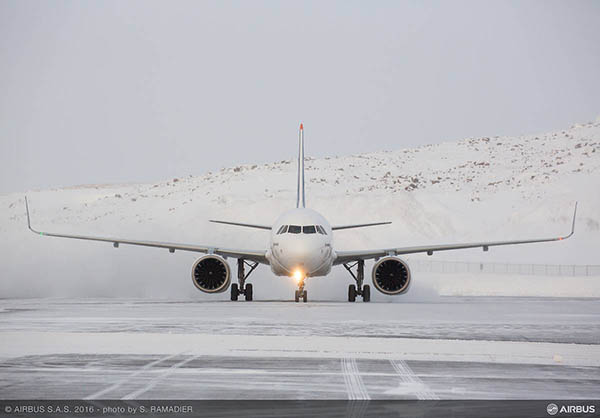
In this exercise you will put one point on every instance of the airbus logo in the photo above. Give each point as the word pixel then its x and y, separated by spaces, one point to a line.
pixel 554 409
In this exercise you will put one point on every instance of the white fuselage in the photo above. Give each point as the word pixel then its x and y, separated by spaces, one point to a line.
pixel 301 241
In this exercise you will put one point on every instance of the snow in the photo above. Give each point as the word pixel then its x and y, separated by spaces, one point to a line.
pixel 473 284
pixel 474 189
pixel 43 343
pixel 445 349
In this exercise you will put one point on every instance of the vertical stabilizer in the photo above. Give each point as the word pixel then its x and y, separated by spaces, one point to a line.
pixel 300 196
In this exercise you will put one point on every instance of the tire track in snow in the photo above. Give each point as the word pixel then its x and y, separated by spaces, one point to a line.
pixel 129 376
pixel 158 378
pixel 355 386
pixel 421 390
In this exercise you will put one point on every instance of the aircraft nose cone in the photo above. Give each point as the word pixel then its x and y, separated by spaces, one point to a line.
pixel 307 256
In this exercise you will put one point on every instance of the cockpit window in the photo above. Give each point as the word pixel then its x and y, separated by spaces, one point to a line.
pixel 309 229
pixel 321 230
pixel 282 229
pixel 294 229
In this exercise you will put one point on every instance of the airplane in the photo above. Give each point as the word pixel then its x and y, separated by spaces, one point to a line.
pixel 301 247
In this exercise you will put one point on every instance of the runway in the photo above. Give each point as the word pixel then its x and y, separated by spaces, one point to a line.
pixel 447 348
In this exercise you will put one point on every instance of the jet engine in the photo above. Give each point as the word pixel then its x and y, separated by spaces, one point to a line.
pixel 391 276
pixel 211 274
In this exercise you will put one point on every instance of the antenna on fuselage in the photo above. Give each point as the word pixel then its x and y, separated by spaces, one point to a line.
pixel 300 195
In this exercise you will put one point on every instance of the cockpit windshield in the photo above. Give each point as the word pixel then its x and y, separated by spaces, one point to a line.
pixel 309 229
pixel 297 229
pixel 294 229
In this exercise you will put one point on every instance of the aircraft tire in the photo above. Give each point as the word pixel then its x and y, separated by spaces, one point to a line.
pixel 297 296
pixel 234 292
pixel 351 293
pixel 304 296
pixel 248 292
pixel 366 293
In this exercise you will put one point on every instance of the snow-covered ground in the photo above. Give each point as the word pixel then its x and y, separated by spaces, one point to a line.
pixel 452 348
pixel 473 189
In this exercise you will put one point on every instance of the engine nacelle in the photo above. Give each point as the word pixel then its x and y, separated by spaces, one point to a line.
pixel 211 274
pixel 391 276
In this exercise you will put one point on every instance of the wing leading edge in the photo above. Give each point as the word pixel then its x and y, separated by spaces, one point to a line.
pixel 348 256
pixel 255 226
pixel 258 256
pixel 338 227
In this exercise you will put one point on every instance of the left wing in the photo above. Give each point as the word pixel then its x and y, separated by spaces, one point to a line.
pixel 257 256
pixel 348 256
pixel 337 227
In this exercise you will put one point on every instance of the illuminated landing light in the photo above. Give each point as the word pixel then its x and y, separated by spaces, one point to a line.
pixel 298 275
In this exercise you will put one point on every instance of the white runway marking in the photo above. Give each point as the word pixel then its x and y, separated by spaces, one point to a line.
pixel 158 378
pixel 129 376
pixel 354 384
pixel 409 378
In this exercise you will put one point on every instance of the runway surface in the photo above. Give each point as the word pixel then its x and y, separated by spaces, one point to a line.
pixel 447 348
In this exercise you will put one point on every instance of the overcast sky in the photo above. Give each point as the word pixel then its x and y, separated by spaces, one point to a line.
pixel 128 91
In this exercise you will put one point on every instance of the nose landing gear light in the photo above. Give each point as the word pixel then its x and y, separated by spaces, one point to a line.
pixel 359 289
pixel 301 292
pixel 241 288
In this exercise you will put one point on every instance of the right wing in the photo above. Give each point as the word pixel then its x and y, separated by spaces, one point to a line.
pixel 257 256
pixel 241 224
pixel 350 256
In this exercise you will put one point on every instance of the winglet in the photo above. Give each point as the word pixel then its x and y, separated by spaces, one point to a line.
pixel 574 217
pixel 572 225
pixel 27 210
pixel 29 220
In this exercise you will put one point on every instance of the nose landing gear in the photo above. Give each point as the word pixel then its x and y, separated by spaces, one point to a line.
pixel 359 289
pixel 301 292
pixel 241 288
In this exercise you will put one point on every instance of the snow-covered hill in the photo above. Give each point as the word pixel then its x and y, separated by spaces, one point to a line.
pixel 473 189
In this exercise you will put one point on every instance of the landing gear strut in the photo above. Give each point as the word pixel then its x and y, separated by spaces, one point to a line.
pixel 359 289
pixel 240 288
pixel 301 292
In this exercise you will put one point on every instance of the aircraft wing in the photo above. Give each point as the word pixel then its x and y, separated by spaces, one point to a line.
pixel 255 226
pixel 254 255
pixel 349 256
pixel 337 227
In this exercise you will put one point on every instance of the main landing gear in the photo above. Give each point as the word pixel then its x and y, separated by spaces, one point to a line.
pixel 359 289
pixel 301 292
pixel 241 288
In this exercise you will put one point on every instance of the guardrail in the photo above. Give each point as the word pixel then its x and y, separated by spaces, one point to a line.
pixel 437 266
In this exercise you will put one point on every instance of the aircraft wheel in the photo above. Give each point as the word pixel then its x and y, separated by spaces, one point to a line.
pixel 297 296
pixel 234 291
pixel 351 293
pixel 366 293
pixel 248 292
pixel 304 296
